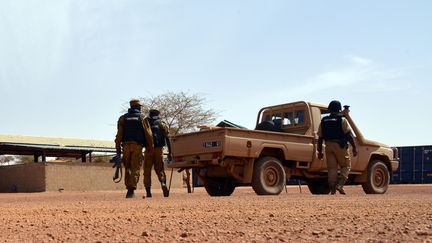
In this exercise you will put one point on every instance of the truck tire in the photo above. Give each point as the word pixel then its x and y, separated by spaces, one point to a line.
pixel 268 176
pixel 318 187
pixel 378 178
pixel 217 187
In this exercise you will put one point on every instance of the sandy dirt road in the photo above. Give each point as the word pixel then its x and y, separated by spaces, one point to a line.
pixel 403 214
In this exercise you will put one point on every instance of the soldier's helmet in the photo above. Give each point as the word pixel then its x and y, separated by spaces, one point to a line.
pixel 335 106
pixel 154 112
pixel 135 102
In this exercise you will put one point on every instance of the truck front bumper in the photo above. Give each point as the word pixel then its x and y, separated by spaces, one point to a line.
pixel 394 165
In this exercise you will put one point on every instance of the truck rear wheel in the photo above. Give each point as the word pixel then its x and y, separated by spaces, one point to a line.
pixel 217 187
pixel 318 187
pixel 378 178
pixel 268 176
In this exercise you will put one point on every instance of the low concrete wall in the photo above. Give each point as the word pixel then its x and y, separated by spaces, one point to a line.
pixel 22 178
pixel 38 177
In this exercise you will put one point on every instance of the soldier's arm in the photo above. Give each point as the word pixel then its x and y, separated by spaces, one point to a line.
pixel 167 139
pixel 148 134
pixel 119 135
pixel 349 135
pixel 350 138
pixel 345 126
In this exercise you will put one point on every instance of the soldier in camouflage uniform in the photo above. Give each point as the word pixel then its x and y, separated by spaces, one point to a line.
pixel 335 131
pixel 133 133
pixel 154 158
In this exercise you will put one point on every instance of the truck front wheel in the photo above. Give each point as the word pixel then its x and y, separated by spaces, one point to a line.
pixel 378 178
pixel 217 187
pixel 268 176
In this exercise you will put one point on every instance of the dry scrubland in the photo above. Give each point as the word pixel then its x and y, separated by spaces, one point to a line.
pixel 403 214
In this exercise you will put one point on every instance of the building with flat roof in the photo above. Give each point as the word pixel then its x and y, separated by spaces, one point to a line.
pixel 43 147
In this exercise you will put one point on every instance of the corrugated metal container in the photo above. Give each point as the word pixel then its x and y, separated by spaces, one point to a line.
pixel 295 182
pixel 415 165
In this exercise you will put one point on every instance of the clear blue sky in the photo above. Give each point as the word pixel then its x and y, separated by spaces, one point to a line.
pixel 66 67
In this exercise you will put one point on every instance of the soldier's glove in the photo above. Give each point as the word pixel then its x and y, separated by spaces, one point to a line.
pixel 117 160
pixel 320 155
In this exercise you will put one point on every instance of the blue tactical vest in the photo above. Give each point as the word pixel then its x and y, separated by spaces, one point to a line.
pixel 158 133
pixel 133 129
pixel 331 128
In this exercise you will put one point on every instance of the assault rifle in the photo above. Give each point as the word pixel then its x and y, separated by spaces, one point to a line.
pixel 118 174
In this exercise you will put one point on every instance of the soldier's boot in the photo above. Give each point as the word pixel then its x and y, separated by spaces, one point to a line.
pixel 340 185
pixel 148 191
pixel 130 192
pixel 332 187
pixel 164 189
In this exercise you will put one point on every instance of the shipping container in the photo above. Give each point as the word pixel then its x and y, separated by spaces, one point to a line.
pixel 415 165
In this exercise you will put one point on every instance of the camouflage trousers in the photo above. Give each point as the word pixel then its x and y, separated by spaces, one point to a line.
pixel 132 160
pixel 154 159
pixel 337 156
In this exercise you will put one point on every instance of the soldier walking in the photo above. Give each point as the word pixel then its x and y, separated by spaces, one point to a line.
pixel 154 158
pixel 133 133
pixel 335 131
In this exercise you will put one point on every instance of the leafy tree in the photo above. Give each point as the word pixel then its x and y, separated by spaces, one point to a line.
pixel 182 111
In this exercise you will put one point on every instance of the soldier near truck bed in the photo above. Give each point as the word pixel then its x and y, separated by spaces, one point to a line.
pixel 133 133
pixel 336 133
pixel 154 158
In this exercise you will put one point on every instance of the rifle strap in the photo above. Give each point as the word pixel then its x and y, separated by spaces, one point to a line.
pixel 118 174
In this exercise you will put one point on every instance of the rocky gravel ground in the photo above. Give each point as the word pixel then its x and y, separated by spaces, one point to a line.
pixel 403 214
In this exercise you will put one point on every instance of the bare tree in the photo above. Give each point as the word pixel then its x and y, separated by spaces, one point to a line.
pixel 182 111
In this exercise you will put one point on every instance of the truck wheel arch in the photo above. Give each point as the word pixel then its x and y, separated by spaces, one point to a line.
pixel 273 151
pixel 381 158
pixel 363 177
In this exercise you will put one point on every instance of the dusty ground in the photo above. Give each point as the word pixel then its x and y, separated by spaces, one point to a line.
pixel 403 214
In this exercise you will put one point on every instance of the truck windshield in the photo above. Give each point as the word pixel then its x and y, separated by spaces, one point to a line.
pixel 288 119
pixel 276 116
pixel 294 118
pixel 299 117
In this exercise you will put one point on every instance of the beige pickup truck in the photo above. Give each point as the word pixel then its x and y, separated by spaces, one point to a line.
pixel 283 146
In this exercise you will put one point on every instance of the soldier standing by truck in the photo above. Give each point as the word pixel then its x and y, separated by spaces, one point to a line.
pixel 336 133
pixel 154 158
pixel 133 133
